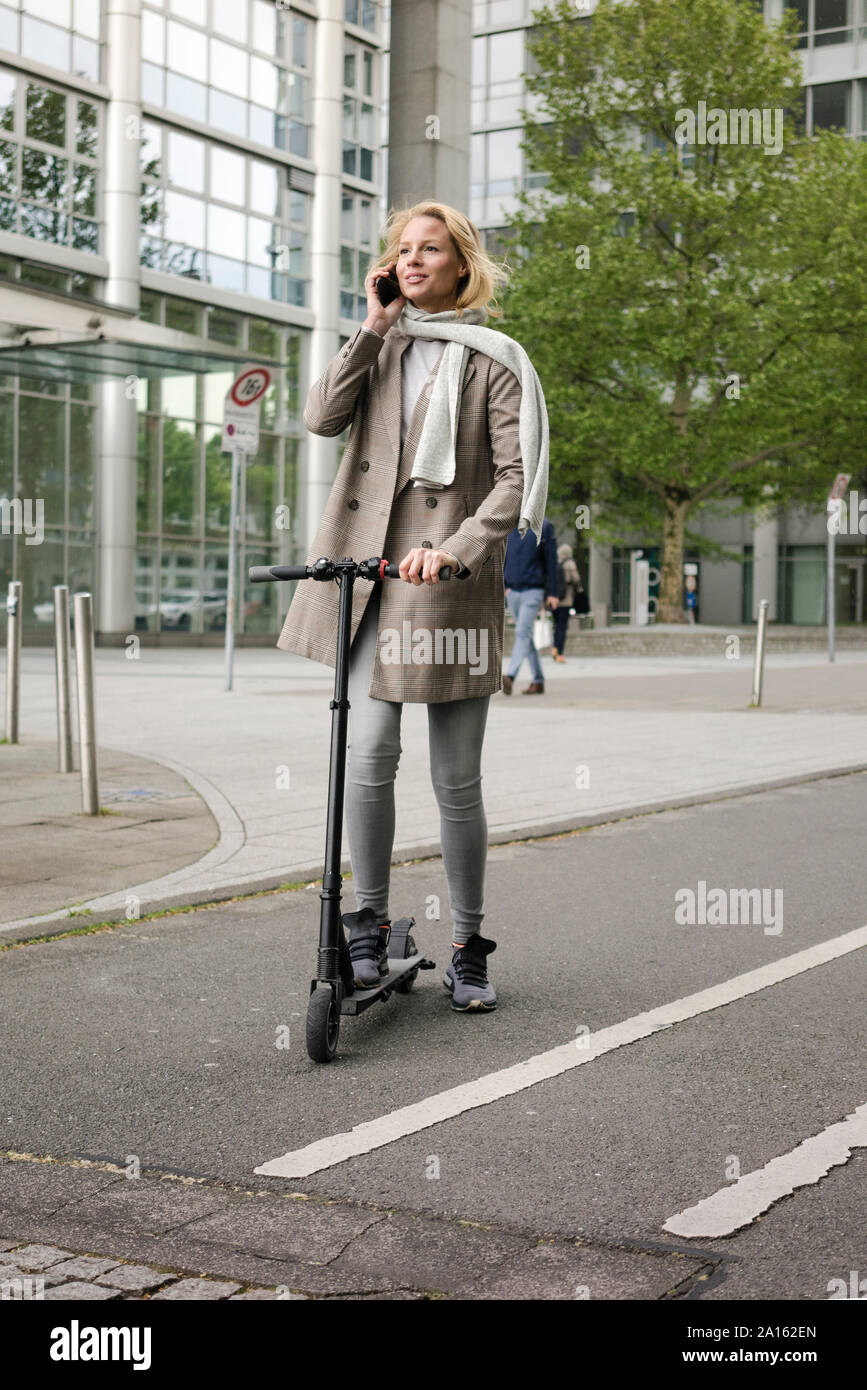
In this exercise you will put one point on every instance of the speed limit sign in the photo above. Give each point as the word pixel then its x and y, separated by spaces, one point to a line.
pixel 241 409
pixel 250 386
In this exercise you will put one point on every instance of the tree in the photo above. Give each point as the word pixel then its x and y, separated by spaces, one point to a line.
pixel 695 308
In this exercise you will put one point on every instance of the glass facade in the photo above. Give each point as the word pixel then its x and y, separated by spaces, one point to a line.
pixel 47 435
pixel 184 480
pixel 226 104
pixel 359 115
pixel 213 213
pixel 238 66
pixel 825 22
pixel 49 152
pixel 64 34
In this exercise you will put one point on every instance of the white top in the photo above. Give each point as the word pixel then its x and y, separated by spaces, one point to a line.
pixel 417 363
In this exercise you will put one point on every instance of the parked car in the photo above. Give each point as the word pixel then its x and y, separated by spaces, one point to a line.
pixel 177 610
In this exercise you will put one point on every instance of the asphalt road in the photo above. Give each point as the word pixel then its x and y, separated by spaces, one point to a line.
pixel 160 1039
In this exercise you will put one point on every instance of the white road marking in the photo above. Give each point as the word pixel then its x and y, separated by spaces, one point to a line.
pixel 446 1105
pixel 741 1202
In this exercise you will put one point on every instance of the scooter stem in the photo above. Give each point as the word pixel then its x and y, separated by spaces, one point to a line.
pixel 333 965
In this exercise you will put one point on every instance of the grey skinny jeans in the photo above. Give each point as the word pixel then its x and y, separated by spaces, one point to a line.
pixel 456 729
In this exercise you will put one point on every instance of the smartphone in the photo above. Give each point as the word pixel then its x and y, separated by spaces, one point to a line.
pixel 388 287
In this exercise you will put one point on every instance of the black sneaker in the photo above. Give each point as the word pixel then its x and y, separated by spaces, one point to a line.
pixel 466 978
pixel 368 946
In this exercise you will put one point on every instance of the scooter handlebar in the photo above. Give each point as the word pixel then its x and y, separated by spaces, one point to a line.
pixel 264 574
pixel 261 574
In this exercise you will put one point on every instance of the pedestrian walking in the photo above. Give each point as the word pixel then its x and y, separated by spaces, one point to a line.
pixel 447 453
pixel 532 582
pixel 567 594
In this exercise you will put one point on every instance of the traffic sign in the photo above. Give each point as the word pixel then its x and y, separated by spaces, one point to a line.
pixel 839 486
pixel 241 409
pixel 250 385
pixel 240 429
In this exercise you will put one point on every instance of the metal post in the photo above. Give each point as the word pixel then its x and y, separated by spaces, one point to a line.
pixel 86 711
pixel 13 659
pixel 232 578
pixel 61 671
pixel 759 668
pixel 831 591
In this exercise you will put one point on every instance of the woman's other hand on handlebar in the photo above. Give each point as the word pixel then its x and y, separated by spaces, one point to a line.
pixel 422 566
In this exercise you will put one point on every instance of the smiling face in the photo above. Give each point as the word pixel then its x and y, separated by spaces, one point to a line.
pixel 427 251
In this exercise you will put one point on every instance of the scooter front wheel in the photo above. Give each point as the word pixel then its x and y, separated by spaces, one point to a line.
pixel 323 1024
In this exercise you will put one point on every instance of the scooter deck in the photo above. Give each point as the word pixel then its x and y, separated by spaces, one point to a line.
pixel 399 965
pixel 362 999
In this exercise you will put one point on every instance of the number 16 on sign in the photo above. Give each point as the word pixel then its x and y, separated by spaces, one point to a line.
pixel 241 439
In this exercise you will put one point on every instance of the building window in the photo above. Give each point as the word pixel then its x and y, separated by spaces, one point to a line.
pixel 213 214
pixel 491 13
pixel 49 148
pixel 357 251
pixel 64 34
pixel 831 103
pixel 359 115
pixel 47 458
pixel 361 12
pixel 240 76
pixel 833 22
pixel 184 479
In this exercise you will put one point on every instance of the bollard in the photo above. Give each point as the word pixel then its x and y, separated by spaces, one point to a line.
pixel 13 659
pixel 759 668
pixel 61 672
pixel 86 712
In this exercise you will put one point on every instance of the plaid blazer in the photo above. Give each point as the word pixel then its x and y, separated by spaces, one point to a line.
pixel 435 641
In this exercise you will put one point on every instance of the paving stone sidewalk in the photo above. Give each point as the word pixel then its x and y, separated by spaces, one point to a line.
pixel 218 794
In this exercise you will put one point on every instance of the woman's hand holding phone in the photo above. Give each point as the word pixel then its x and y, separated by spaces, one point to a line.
pixel 381 317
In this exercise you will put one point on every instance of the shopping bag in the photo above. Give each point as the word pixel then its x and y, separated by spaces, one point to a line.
pixel 543 632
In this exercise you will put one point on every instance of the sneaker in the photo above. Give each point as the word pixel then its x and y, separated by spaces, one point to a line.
pixel 368 946
pixel 466 978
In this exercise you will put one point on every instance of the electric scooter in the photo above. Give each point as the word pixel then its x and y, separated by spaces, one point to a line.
pixel 333 993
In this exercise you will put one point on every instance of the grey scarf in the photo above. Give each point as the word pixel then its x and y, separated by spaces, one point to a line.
pixel 434 463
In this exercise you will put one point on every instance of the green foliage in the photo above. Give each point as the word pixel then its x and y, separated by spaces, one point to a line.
pixel 711 349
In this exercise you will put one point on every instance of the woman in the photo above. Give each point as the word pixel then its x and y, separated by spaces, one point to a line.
pixel 572 583
pixel 447 453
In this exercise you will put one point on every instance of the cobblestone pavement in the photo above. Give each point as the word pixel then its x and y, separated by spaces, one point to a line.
pixel 46 1272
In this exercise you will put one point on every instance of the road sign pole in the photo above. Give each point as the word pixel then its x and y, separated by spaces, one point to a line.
pixel 241 439
pixel 232 578
pixel 833 515
pixel 831 594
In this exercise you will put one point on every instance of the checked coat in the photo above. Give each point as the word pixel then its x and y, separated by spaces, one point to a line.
pixel 374 509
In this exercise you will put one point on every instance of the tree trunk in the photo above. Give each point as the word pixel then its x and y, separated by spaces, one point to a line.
pixel 671 577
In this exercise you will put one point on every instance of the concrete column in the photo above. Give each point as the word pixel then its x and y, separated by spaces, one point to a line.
pixel 430 74
pixel 116 457
pixel 599 591
pixel 317 475
pixel 765 548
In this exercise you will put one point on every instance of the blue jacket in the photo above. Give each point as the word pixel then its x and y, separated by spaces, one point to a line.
pixel 532 566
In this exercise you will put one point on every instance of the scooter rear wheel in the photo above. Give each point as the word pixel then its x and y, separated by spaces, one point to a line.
pixel 323 1024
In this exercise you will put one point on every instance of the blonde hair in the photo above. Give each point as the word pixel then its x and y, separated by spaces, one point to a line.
pixel 476 289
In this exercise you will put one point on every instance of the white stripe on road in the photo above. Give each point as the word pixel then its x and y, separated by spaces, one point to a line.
pixel 742 1201
pixel 373 1134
